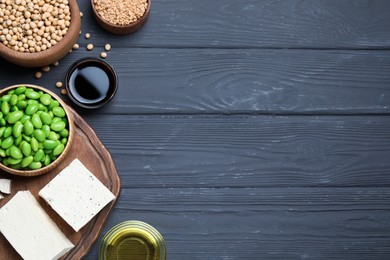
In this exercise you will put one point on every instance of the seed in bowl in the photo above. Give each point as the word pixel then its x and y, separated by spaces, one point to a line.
pixel 33 129
pixel 32 25
pixel 121 12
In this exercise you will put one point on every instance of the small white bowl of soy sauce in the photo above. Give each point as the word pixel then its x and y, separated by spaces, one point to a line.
pixel 91 83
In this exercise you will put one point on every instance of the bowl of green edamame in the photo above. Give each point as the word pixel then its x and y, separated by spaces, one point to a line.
pixel 36 130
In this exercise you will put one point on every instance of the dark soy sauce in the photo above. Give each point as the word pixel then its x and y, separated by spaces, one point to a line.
pixel 91 83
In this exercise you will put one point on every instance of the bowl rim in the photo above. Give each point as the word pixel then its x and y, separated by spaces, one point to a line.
pixel 52 54
pixel 69 91
pixel 121 29
pixel 56 162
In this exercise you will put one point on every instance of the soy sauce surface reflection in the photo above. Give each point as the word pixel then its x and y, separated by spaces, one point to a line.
pixel 90 84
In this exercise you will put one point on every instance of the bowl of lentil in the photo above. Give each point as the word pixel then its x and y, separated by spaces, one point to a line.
pixel 36 130
pixel 121 16
pixel 36 33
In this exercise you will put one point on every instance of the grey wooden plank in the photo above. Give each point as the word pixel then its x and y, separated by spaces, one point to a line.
pixel 262 223
pixel 154 81
pixel 257 24
pixel 247 151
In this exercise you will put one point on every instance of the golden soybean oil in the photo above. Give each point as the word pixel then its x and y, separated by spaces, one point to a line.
pixel 133 240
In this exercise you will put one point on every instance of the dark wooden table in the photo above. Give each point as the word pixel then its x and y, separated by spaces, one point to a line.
pixel 251 129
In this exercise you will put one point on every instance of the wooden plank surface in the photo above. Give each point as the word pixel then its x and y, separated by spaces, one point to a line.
pixel 187 81
pixel 247 151
pixel 253 129
pixel 264 223
pixel 342 24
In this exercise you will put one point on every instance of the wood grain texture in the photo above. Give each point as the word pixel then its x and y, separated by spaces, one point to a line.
pixel 263 223
pixel 247 151
pixel 155 81
pixel 253 129
pixel 258 24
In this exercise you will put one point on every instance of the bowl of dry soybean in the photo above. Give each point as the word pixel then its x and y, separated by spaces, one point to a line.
pixel 36 33
pixel 36 130
pixel 121 16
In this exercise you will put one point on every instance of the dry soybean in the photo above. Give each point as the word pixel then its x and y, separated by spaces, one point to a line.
pixel 32 25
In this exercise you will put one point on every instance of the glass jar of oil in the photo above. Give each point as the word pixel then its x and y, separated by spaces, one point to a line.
pixel 135 240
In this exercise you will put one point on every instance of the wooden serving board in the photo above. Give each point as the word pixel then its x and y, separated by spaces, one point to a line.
pixel 92 153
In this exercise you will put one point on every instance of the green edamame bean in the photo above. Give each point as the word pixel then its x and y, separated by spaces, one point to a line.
pixel 7 143
pixel 36 121
pixel 53 136
pixel 20 90
pixel 26 149
pixel 5 108
pixel 17 166
pixel 57 126
pixel 32 102
pixel 21 104
pixel 31 109
pixel 24 118
pixel 46 130
pixel 35 165
pixel 56 119
pixel 53 104
pixel 32 94
pixel 34 144
pixel 28 128
pixel 7 132
pixel 47 160
pixel 13 100
pixel 14 108
pixel 64 140
pixel 15 152
pixel 6 97
pixel 59 149
pixel 42 107
pixel 14 116
pixel 50 144
pixel 26 138
pixel 46 118
pixel 18 140
pixel 39 135
pixel 64 132
pixel 58 111
pixel 1 114
pixel 39 156
pixel 17 129
pixel 2 122
pixel 2 153
pixel 13 161
pixel 45 99
pixel 27 161
pixel 22 97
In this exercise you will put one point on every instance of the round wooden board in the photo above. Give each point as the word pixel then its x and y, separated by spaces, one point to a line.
pixel 91 152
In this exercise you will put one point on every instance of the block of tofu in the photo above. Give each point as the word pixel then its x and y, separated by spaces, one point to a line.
pixel 28 228
pixel 5 186
pixel 76 195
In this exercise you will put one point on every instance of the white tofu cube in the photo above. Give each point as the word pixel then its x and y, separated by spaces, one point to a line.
pixel 5 186
pixel 76 195
pixel 28 228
